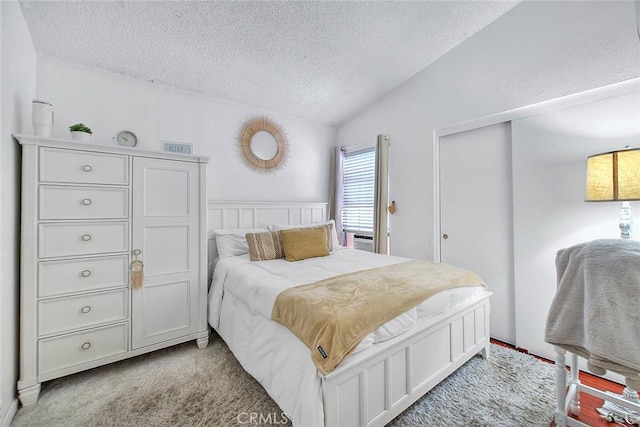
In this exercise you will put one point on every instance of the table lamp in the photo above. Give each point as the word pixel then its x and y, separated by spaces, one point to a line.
pixel 615 176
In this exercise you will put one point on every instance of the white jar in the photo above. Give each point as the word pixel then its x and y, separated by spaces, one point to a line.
pixel 42 113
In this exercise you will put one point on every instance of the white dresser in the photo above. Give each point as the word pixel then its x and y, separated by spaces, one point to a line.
pixel 86 210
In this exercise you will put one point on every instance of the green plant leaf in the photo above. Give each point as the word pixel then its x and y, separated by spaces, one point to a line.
pixel 80 127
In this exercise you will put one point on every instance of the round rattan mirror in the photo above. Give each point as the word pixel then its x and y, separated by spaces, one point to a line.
pixel 263 144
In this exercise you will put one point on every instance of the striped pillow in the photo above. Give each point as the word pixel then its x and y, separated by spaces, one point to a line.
pixel 264 246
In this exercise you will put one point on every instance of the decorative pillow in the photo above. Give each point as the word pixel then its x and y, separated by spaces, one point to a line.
pixel 231 241
pixel 333 243
pixel 264 246
pixel 327 232
pixel 303 243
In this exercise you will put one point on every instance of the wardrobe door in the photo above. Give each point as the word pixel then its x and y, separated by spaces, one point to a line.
pixel 165 225
pixel 476 207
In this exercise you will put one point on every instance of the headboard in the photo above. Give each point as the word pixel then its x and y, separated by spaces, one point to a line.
pixel 259 214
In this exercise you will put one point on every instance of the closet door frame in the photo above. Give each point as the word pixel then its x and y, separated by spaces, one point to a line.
pixel 628 87
pixel 477 233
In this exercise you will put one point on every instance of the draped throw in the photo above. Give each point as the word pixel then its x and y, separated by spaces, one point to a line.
pixel 333 315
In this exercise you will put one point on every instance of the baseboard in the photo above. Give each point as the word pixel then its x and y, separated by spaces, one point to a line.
pixel 7 417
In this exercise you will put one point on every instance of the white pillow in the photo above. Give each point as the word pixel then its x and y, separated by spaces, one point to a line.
pixel 231 241
pixel 335 243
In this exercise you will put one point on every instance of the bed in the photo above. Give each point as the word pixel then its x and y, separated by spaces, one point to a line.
pixel 388 371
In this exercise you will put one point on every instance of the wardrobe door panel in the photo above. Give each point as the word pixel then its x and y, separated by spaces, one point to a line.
pixel 160 316
pixel 166 249
pixel 165 230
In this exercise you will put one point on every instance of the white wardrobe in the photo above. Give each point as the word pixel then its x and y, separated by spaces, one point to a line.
pixel 88 211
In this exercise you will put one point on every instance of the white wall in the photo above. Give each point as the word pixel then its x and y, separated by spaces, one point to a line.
pixel 108 103
pixel 535 52
pixel 18 89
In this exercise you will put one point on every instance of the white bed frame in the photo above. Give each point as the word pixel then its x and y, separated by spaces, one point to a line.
pixel 372 388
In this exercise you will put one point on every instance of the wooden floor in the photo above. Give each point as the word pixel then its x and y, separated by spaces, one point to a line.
pixel 588 403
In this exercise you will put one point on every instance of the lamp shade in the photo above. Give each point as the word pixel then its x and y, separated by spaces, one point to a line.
pixel 613 176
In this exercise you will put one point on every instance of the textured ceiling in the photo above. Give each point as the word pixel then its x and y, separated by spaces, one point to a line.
pixel 322 61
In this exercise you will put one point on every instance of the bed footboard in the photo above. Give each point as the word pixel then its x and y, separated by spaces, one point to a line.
pixel 373 388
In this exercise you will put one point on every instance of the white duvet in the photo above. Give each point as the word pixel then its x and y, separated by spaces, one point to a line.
pixel 241 299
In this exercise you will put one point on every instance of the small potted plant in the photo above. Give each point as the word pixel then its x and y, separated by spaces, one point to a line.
pixel 80 132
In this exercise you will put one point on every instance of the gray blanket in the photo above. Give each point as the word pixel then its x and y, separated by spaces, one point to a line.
pixel 596 311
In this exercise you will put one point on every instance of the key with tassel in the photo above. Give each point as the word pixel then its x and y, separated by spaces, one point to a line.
pixel 137 271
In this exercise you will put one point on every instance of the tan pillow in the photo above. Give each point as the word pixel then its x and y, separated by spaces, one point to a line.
pixel 303 243
pixel 264 246
pixel 328 229
pixel 332 236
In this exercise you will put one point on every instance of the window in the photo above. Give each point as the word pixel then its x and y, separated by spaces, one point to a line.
pixel 359 171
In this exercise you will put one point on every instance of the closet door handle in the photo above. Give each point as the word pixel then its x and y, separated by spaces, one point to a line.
pixel 445 236
pixel 86 346
pixel 87 168
pixel 86 273
pixel 86 202
pixel 86 237
pixel 85 309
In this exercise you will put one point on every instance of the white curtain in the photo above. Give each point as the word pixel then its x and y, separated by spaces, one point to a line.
pixel 381 199
pixel 337 190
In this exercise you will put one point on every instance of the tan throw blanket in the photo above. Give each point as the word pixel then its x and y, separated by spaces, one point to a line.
pixel 595 312
pixel 333 315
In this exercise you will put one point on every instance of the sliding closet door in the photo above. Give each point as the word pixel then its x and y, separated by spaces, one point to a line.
pixel 476 205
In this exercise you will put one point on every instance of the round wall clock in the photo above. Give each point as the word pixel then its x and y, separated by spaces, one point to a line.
pixel 126 138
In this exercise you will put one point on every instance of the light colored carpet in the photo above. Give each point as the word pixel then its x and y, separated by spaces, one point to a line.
pixel 509 389
pixel 185 386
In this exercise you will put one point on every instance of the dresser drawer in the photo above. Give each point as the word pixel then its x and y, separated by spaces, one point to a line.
pixel 87 238
pixel 82 311
pixel 57 202
pixel 86 274
pixel 81 347
pixel 83 167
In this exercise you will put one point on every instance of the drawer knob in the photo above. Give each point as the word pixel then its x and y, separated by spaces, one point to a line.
pixel 86 237
pixel 85 309
pixel 87 168
pixel 86 346
pixel 86 202
pixel 86 273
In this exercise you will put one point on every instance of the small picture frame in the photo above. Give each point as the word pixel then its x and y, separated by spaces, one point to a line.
pixel 177 147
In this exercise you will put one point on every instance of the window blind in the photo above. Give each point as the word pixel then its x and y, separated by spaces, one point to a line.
pixel 359 169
